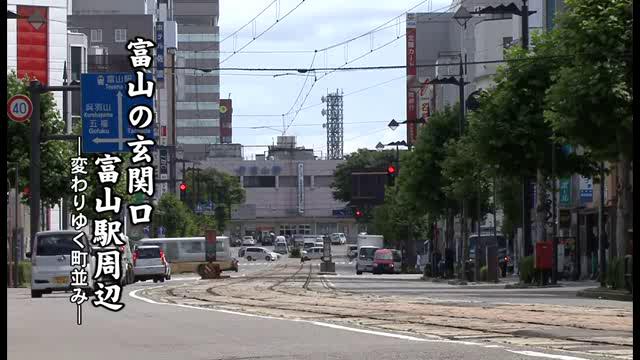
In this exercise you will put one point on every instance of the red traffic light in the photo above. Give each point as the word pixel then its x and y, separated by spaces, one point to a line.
pixel 391 170
pixel 183 187
pixel 358 213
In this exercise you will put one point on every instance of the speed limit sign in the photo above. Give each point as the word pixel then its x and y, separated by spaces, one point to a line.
pixel 19 108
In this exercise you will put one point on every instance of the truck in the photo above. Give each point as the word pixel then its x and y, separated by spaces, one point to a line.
pixel 367 246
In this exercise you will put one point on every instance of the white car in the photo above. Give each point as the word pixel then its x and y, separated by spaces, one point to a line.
pixel 51 262
pixel 150 263
pixel 338 239
pixel 315 252
pixel 248 241
pixel 255 253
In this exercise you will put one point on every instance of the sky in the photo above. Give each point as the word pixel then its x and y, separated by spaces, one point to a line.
pixel 315 25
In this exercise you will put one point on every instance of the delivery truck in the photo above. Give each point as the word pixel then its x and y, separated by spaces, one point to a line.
pixel 367 246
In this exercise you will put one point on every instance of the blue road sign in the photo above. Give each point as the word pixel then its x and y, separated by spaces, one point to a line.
pixel 105 112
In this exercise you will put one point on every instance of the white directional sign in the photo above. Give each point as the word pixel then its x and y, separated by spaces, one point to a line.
pixel 19 108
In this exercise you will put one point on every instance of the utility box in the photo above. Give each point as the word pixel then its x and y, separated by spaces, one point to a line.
pixel 543 254
pixel 492 262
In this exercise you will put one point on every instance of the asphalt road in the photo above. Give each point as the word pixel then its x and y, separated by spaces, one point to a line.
pixel 45 328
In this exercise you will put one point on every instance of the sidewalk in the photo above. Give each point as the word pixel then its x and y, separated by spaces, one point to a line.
pixel 606 294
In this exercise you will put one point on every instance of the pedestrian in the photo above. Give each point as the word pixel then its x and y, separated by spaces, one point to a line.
pixel 418 263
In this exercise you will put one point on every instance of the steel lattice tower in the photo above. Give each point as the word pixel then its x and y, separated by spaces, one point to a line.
pixel 334 125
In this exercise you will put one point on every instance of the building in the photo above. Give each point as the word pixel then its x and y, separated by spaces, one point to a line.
pixel 287 192
pixel 197 102
pixel 109 25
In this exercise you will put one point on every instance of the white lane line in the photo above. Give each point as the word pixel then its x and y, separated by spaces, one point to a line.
pixel 543 355
pixel 433 338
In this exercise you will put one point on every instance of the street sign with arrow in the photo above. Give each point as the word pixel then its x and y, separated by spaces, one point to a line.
pixel 105 112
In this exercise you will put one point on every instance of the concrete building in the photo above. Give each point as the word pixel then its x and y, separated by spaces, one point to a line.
pixel 198 118
pixel 108 26
pixel 287 192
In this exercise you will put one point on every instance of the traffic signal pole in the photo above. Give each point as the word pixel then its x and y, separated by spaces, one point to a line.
pixel 35 91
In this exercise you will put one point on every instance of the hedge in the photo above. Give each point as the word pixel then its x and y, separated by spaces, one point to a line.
pixel 294 253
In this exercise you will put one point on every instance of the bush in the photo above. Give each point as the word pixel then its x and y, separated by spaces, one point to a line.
pixel 615 273
pixel 527 272
pixel 295 253
pixel 24 273
pixel 483 273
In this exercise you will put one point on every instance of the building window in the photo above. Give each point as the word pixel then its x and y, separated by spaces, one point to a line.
pixel 76 63
pixel 259 181
pixel 121 35
pixel 322 181
pixel 96 35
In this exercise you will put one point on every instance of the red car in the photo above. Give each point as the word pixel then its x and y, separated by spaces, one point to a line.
pixel 383 262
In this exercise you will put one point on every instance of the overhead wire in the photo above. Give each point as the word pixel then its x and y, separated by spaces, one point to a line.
pixel 263 32
pixel 249 22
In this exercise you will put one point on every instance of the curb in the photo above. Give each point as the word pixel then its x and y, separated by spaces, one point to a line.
pixel 605 294
pixel 327 273
pixel 528 286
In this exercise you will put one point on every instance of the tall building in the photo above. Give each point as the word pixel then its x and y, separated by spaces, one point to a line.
pixel 197 102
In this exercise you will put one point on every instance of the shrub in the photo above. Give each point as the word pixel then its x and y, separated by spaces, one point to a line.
pixel 526 270
pixel 295 253
pixel 24 273
pixel 483 273
pixel 615 273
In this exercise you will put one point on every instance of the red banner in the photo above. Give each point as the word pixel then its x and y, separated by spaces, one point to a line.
pixel 411 51
pixel 412 131
pixel 411 95
pixel 33 43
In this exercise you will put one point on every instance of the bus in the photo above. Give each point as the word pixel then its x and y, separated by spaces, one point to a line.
pixel 186 254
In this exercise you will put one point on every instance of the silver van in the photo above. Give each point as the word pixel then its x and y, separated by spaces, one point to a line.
pixel 51 261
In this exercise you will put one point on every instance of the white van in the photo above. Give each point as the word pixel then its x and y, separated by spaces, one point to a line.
pixel 281 245
pixel 51 261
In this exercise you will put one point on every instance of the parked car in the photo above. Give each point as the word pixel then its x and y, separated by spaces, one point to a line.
pixel 338 239
pixel 51 262
pixel 241 252
pixel 150 263
pixel 255 253
pixel 236 241
pixel 383 262
pixel 352 251
pixel 248 241
pixel 281 246
pixel 315 252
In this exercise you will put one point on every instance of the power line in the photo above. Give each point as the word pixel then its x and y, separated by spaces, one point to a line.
pixel 262 33
pixel 250 21
pixel 303 86
pixel 302 125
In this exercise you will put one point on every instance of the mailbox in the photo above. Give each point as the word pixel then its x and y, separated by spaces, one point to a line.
pixel 544 255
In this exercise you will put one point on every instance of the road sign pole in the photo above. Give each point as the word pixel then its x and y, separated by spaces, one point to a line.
pixel 34 165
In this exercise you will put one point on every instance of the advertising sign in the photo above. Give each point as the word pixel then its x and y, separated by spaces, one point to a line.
pixel 164 168
pixel 586 190
pixel 33 43
pixel 160 51
pixel 565 191
pixel 300 188
pixel 412 100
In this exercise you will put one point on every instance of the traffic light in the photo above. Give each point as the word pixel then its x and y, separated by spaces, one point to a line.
pixel 391 174
pixel 358 213
pixel 183 190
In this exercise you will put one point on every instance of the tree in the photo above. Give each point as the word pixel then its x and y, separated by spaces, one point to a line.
pixel 422 184
pixel 363 158
pixel 590 101
pixel 222 189
pixel 54 154
pixel 174 216
pixel 509 128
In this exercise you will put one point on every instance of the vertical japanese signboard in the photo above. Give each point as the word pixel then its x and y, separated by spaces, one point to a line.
pixel 565 191
pixel 586 190
pixel 300 188
pixel 411 75
pixel 160 51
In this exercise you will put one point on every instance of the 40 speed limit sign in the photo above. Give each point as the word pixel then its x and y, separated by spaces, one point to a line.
pixel 19 108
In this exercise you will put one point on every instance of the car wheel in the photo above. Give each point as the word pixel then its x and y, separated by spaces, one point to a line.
pixel 249 258
pixel 268 258
pixel 36 293
pixel 155 280
pixel 161 279
pixel 168 277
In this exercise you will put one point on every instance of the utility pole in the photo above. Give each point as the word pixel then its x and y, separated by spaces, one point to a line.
pixel 554 263
pixel 65 119
pixel 603 282
pixel 173 128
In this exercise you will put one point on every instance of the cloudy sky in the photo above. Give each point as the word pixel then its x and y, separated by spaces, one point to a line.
pixel 315 25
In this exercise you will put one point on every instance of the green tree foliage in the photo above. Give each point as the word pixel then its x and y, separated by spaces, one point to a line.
pixel 55 155
pixel 590 101
pixel 358 160
pixel 175 217
pixel 421 180
pixel 222 189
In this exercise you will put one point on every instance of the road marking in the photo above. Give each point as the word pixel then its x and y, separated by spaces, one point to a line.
pixel 433 338
pixel 543 355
